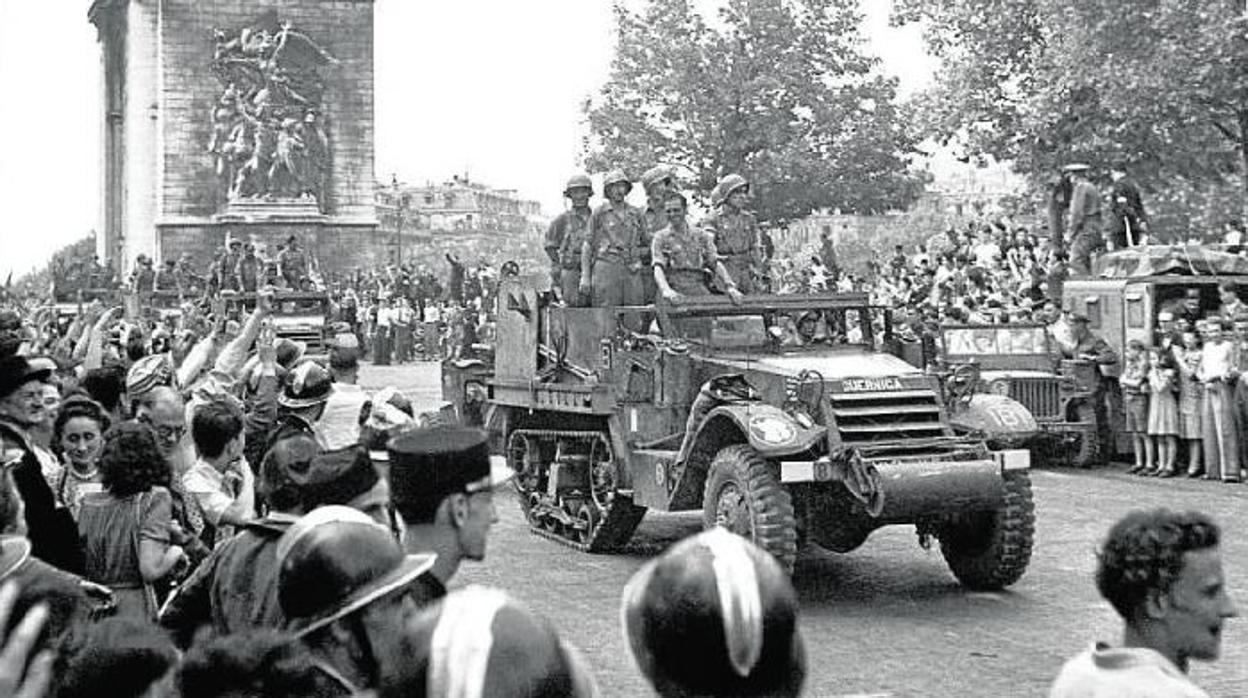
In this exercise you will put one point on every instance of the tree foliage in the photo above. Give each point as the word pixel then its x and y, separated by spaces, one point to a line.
pixel 1158 85
pixel 777 90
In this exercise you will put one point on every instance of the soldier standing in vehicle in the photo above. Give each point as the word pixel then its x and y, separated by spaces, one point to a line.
pixel 1085 220
pixel 610 265
pixel 683 255
pixel 658 181
pixel 564 239
pixel 1089 346
pixel 228 264
pixel 736 231
pixel 293 263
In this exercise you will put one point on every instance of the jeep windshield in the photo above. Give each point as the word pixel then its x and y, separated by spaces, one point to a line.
pixel 995 340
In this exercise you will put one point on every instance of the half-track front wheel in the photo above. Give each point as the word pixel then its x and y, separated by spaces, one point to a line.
pixel 988 551
pixel 743 494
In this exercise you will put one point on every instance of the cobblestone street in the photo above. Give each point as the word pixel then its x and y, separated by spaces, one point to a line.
pixel 887 619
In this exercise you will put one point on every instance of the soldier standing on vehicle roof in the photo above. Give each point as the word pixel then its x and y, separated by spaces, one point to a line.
pixel 736 231
pixel 564 239
pixel 610 264
pixel 1085 220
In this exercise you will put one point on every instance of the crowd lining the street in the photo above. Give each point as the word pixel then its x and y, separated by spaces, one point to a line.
pixel 207 512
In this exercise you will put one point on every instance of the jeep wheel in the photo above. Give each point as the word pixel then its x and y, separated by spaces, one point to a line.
pixel 990 550
pixel 1086 451
pixel 743 494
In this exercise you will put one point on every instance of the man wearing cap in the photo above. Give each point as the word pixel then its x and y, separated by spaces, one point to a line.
pixel 441 483
pixel 235 589
pixel 50 527
pixel 292 262
pixel 1089 346
pixel 566 236
pixel 1084 229
pixel 610 265
pixel 736 232
pixel 342 584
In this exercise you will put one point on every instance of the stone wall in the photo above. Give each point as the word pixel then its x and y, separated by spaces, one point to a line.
pixel 189 187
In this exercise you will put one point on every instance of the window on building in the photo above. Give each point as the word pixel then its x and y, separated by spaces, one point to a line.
pixel 429 198
pixel 958 209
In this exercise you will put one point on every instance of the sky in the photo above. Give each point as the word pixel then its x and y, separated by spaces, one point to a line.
pixel 491 88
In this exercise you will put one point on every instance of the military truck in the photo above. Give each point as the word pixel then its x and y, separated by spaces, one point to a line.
pixel 777 436
pixel 301 316
pixel 1129 288
pixel 1021 362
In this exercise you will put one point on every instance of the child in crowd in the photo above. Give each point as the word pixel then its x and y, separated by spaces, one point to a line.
pixel 1163 411
pixel 1191 399
pixel 1134 381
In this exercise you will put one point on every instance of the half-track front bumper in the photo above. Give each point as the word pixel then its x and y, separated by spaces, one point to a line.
pixel 911 488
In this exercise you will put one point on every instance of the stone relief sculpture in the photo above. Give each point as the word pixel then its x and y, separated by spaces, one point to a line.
pixel 267 134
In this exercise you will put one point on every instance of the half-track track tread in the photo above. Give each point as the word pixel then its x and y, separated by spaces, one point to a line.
pixel 617 516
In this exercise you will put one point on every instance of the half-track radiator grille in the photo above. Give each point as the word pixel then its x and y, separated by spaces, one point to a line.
pixel 887 416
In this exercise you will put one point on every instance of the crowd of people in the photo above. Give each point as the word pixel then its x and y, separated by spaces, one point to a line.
pixel 199 509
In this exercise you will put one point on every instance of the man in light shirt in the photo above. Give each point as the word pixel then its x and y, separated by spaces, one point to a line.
pixel 339 425
pixel 220 481
pixel 1162 572
pixel 1217 373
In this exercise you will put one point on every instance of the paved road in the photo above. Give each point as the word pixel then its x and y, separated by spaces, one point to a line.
pixel 888 619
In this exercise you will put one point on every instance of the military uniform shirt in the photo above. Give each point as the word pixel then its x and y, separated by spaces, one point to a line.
pixel 692 249
pixel 736 233
pixel 615 233
pixel 566 236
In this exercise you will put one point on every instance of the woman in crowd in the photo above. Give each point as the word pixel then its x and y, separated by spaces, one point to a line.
pixel 78 435
pixel 1191 397
pixel 127 528
pixel 1163 410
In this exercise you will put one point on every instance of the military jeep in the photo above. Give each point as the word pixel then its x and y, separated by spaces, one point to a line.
pixel 1019 361
pixel 780 437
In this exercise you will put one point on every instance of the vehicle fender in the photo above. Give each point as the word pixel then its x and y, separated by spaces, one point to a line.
pixel 767 429
pixel 995 416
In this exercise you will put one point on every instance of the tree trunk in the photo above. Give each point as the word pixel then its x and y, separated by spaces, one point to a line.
pixel 1242 116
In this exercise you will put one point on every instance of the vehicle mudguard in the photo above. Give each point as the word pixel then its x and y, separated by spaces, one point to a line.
pixel 768 429
pixel 995 416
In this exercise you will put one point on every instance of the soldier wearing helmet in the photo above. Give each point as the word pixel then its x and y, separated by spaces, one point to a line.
pixel 611 265
pixel 144 277
pixel 658 181
pixel 564 239
pixel 736 232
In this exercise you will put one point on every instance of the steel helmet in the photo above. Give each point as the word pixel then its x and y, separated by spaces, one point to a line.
pixel 481 642
pixel 335 561
pixel 616 177
pixel 715 615
pixel 727 186
pixel 578 181
pixel 656 174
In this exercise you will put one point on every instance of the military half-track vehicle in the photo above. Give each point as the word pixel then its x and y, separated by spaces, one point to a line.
pixel 780 439
pixel 1019 361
